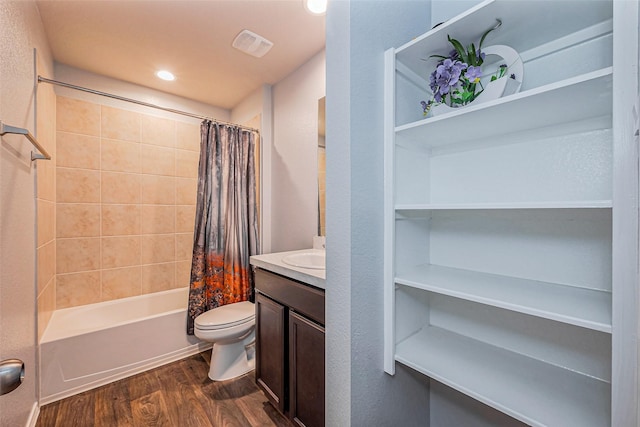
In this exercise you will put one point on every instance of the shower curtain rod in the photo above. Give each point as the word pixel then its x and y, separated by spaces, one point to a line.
pixel 145 104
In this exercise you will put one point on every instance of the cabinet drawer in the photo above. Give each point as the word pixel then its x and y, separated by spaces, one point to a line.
pixel 299 297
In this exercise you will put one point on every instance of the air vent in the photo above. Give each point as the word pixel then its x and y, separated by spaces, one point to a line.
pixel 252 44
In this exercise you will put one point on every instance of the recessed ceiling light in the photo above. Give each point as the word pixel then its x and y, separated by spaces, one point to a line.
pixel 165 75
pixel 317 7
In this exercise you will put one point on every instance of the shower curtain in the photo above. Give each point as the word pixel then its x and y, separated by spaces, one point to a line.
pixel 226 227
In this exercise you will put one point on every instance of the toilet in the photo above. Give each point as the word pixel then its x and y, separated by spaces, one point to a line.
pixel 231 329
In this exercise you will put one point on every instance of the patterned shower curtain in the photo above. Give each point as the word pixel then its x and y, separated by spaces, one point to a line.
pixel 226 228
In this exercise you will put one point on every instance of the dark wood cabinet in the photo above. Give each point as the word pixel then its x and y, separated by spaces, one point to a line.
pixel 290 347
pixel 270 364
pixel 306 371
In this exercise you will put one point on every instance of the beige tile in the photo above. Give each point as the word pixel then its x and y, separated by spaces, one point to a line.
pixel 158 131
pixel 188 136
pixel 77 289
pixel 183 274
pixel 158 190
pixel 74 255
pixel 46 307
pixel 120 124
pixel 158 248
pixel 77 186
pixel 186 191
pixel 120 251
pixel 121 283
pixel 46 102
pixel 158 277
pixel 185 218
pixel 77 116
pixel 78 220
pixel 46 180
pixel 120 156
pixel 158 160
pixel 46 264
pixel 122 188
pixel 46 221
pixel 120 220
pixel 184 246
pixel 187 163
pixel 78 151
pixel 158 219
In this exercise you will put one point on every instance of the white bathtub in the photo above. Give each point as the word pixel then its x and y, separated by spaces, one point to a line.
pixel 92 345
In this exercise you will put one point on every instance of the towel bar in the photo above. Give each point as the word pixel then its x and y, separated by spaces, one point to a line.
pixel 4 128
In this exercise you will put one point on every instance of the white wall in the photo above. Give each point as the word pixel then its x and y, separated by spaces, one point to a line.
pixel 250 106
pixel 21 31
pixel 102 83
pixel 358 392
pixel 294 180
pixel 259 102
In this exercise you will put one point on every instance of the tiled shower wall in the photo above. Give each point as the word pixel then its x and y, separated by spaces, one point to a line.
pixel 126 193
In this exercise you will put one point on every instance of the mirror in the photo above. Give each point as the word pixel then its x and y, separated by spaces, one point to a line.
pixel 321 167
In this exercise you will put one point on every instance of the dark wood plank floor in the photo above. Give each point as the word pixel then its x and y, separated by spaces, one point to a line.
pixel 177 394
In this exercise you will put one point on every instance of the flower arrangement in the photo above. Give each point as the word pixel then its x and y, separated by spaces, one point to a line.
pixel 456 78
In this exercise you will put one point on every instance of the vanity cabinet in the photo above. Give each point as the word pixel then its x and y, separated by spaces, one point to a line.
pixel 290 347
pixel 270 349
pixel 511 226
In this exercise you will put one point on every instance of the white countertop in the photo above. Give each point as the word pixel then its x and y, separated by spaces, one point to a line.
pixel 273 262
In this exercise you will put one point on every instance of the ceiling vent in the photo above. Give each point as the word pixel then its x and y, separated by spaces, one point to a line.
pixel 252 44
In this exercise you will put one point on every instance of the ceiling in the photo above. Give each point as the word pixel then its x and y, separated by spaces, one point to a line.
pixel 131 39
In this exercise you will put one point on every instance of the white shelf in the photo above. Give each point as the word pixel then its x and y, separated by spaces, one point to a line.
pixel 520 28
pixel 583 204
pixel 520 186
pixel 576 99
pixel 531 391
pixel 582 307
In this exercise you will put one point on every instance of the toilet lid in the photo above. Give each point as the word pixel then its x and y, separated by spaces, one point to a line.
pixel 226 316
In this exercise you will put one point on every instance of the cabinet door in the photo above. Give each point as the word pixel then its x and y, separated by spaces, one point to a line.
pixel 306 371
pixel 270 349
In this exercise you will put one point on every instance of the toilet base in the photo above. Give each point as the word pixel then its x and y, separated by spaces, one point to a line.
pixel 232 360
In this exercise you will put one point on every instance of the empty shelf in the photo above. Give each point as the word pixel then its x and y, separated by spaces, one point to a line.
pixel 583 307
pixel 529 390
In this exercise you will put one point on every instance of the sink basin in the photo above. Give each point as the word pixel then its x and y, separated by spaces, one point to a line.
pixel 311 259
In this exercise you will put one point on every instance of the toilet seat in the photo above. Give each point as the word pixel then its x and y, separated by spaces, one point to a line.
pixel 226 316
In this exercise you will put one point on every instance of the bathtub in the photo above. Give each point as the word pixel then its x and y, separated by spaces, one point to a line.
pixel 91 345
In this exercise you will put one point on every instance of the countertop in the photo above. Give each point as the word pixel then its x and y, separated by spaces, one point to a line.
pixel 273 262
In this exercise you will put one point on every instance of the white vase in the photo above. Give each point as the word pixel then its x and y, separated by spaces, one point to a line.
pixel 496 89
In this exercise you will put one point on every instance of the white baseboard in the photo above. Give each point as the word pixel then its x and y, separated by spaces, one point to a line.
pixel 33 416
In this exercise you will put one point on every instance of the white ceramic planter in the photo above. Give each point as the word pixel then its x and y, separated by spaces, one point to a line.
pixel 498 88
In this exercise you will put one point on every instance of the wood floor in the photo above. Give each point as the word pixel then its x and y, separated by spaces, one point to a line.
pixel 178 394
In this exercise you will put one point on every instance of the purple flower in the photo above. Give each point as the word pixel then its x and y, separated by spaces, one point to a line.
pixel 512 76
pixel 473 74
pixel 445 76
pixel 453 54
pixel 480 55
pixel 426 106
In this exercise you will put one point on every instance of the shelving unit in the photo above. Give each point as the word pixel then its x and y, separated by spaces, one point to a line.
pixel 584 97
pixel 522 387
pixel 583 204
pixel 588 308
pixel 508 277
